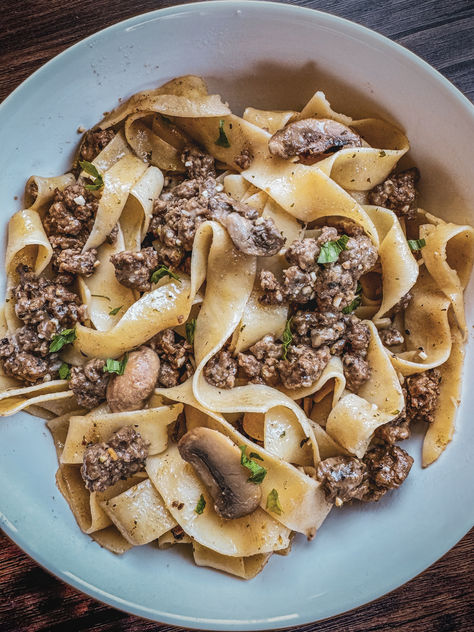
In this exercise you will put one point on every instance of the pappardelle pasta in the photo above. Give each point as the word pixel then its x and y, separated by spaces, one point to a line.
pixel 229 322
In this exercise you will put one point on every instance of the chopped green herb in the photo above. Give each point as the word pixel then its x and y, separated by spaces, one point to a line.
pixel 273 502
pixel 382 154
pixel 416 244
pixel 222 140
pixel 282 434
pixel 258 472
pixel 190 329
pixel 65 337
pixel 287 338
pixel 91 169
pixel 331 250
pixel 116 366
pixel 356 302
pixel 254 455
pixel 107 298
pixel 201 504
pixel 64 371
pixel 115 311
pixel 162 271
pixel 395 412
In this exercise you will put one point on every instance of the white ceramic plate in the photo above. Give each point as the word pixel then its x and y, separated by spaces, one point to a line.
pixel 274 56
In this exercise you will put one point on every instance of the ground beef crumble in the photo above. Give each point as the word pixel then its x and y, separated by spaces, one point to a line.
pixel 94 142
pixel 89 383
pixel 397 193
pixel 46 308
pixel 221 370
pixel 422 395
pixel 176 358
pixel 104 464
pixel 134 269
pixel 180 211
pixel 68 223
pixel 384 467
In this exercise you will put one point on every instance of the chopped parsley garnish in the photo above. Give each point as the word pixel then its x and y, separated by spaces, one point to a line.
pixel 162 271
pixel 382 154
pixel 116 366
pixel 257 472
pixel 416 244
pixel 107 298
pixel 254 455
pixel 190 329
pixel 222 140
pixel 201 504
pixel 273 502
pixel 356 302
pixel 287 338
pixel 115 311
pixel 331 250
pixel 65 337
pixel 64 371
pixel 91 169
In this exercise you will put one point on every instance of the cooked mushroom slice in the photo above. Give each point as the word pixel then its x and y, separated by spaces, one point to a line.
pixel 258 237
pixel 217 462
pixel 312 137
pixel 130 390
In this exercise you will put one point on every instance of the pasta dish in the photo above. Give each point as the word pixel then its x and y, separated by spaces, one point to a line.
pixel 229 323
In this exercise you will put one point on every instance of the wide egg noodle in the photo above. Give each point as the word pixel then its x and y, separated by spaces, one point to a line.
pixel 303 501
pixel 284 437
pixel 441 430
pixel 426 329
pixel 354 419
pixel 14 399
pixel 139 513
pixel 448 256
pixel 151 423
pixel 269 120
pixel 149 146
pixel 243 567
pixel 111 154
pixel 399 267
pixel 177 483
pixel 118 181
pixel 40 190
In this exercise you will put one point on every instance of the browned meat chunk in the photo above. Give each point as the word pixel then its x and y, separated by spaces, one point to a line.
pixel 401 305
pixel 312 137
pixel 221 370
pixel 182 209
pixel 388 467
pixel 244 159
pixel 422 395
pixel 134 269
pixel 304 253
pixel 176 358
pixel 383 468
pixel 261 363
pixel 273 292
pixel 89 383
pixel 397 193
pixel 123 455
pixel 343 477
pixel 396 430
pixel 356 371
pixel 298 285
pixel 391 336
pixel 76 262
pixel 46 308
pixel 94 142
pixel 303 366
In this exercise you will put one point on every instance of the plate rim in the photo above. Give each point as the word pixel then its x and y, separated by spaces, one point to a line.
pixel 361 32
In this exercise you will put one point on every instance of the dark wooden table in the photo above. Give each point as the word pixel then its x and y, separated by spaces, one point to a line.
pixel 440 31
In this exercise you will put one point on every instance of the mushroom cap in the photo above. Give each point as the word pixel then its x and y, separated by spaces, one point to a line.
pixel 260 237
pixel 312 137
pixel 130 390
pixel 216 460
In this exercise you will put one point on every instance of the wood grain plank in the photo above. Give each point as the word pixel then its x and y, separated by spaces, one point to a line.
pixel 440 31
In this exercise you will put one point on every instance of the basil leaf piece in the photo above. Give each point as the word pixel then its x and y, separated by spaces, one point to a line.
pixel 257 472
pixel 190 330
pixel 331 250
pixel 64 371
pixel 65 337
pixel 287 338
pixel 416 244
pixel 116 366
pixel 273 502
pixel 352 306
pixel 201 504
pixel 115 311
pixel 162 271
pixel 222 140
pixel 91 169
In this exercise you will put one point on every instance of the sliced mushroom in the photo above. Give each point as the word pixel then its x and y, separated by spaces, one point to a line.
pixel 217 462
pixel 258 237
pixel 312 137
pixel 130 390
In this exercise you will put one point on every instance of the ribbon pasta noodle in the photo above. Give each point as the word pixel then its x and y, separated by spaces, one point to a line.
pixel 229 323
